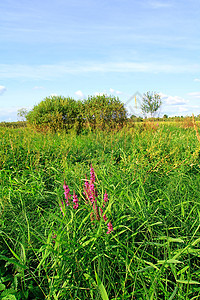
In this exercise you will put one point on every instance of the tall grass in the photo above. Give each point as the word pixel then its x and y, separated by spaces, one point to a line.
pixel 151 176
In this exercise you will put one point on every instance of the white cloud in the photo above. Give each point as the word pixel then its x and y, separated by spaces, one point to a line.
pixel 183 109
pixel 49 72
pixel 79 94
pixel 9 114
pixel 159 4
pixel 197 79
pixel 38 88
pixel 119 93
pixel 115 92
pixel 2 89
pixel 173 100
pixel 195 94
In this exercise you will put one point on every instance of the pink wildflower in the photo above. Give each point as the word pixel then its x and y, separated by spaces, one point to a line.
pixel 92 175
pixel 75 200
pixel 105 199
pixel 101 211
pixel 105 218
pixel 110 228
pixel 66 193
pixel 101 214
pixel 92 193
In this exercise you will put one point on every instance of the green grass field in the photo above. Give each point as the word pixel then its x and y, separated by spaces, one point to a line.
pixel 152 178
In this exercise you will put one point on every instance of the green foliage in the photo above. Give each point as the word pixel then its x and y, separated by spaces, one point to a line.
pixel 151 102
pixel 18 124
pixel 104 112
pixel 22 112
pixel 152 178
pixel 55 114
pixel 58 113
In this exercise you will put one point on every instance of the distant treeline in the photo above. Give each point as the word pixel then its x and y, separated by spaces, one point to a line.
pixel 165 118
pixel 102 112
pixel 17 124
pixel 130 121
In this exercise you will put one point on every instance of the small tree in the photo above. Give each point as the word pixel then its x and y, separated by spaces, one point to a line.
pixel 22 113
pixel 151 102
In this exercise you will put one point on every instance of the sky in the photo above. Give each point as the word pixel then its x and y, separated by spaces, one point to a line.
pixel 81 48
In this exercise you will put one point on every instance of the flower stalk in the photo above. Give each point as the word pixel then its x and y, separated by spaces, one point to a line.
pixel 91 199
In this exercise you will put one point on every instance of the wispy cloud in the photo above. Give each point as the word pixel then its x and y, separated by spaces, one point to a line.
pixel 38 88
pixel 80 94
pixel 197 79
pixel 185 110
pixel 112 91
pixel 159 4
pixel 173 100
pixel 194 94
pixel 2 89
pixel 8 116
pixel 51 71
pixel 182 109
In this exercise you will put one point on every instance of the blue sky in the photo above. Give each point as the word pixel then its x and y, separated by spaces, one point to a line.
pixel 84 47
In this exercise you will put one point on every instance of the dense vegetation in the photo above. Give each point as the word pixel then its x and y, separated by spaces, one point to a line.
pixel 60 113
pixel 151 175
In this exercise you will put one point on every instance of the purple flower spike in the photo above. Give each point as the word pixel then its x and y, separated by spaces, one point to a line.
pixel 105 199
pixel 105 218
pixel 75 200
pixel 101 211
pixel 92 193
pixel 92 175
pixel 65 186
pixel 66 193
pixel 110 228
pixel 86 183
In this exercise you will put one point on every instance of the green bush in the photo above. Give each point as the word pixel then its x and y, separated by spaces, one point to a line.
pixel 59 113
pixel 56 113
pixel 104 112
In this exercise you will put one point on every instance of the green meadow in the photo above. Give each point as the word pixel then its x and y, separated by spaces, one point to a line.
pixel 49 250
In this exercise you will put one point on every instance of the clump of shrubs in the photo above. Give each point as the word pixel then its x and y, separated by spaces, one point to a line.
pixel 57 113
pixel 54 114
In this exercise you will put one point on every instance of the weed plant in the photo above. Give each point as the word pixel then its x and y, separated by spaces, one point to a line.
pixel 151 176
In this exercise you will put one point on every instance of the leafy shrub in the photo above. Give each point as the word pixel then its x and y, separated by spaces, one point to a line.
pixel 56 113
pixel 104 112
pixel 97 112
